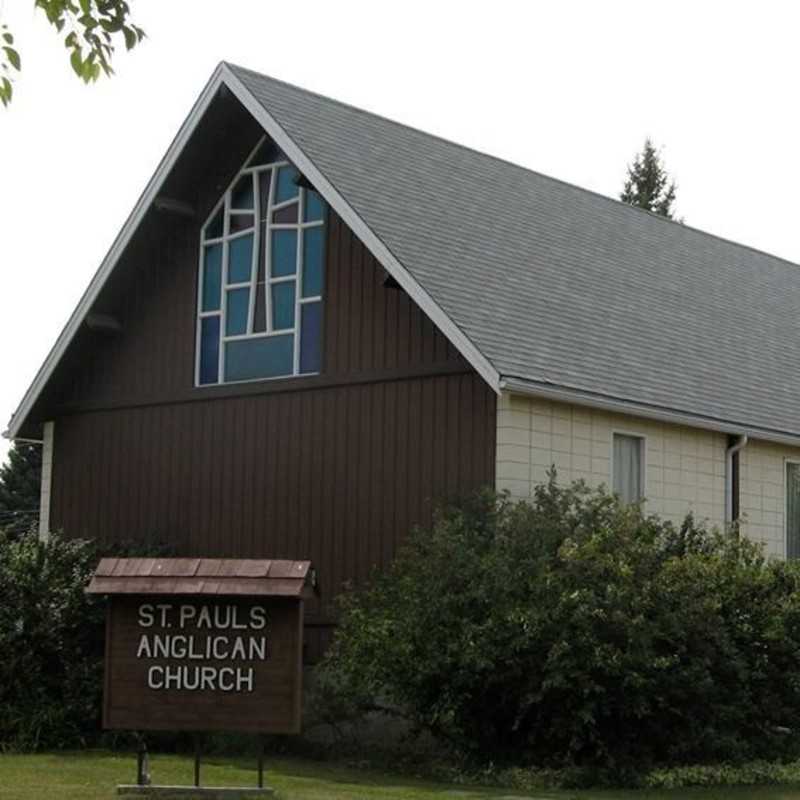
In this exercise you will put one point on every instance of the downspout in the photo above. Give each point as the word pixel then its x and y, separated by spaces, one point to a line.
pixel 730 452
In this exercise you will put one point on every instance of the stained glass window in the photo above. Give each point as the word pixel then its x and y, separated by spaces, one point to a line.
pixel 262 276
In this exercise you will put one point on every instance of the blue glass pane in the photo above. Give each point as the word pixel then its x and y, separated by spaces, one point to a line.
pixel 209 350
pixel 236 312
pixel 314 207
pixel 283 305
pixel 313 243
pixel 212 277
pixel 240 222
pixel 240 259
pixel 284 253
pixel 260 310
pixel 311 337
pixel 268 357
pixel 286 215
pixel 242 195
pixel 214 228
pixel 286 188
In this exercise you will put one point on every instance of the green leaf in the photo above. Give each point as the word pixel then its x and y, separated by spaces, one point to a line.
pixel 9 39
pixel 71 40
pixel 77 62
pixel 130 37
pixel 6 91
pixel 86 6
pixel 13 57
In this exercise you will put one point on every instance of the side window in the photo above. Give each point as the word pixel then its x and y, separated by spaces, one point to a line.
pixel 259 310
pixel 627 461
pixel 792 509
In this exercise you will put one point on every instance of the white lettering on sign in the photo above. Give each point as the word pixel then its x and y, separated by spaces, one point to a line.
pixel 225 679
pixel 146 616
pixel 237 644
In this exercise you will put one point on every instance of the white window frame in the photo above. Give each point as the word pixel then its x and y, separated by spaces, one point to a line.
pixel 46 486
pixel 252 284
pixel 643 467
pixel 786 462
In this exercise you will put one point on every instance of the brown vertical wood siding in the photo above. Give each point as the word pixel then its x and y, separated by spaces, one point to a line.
pixel 336 475
pixel 335 468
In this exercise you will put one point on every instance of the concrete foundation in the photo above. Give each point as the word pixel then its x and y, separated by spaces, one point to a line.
pixel 195 792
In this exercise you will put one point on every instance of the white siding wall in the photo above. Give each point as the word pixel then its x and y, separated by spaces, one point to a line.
pixel 684 469
pixel 762 499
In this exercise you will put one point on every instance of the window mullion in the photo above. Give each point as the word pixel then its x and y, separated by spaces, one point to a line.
pixel 298 286
pixel 268 250
pixel 223 306
pixel 251 310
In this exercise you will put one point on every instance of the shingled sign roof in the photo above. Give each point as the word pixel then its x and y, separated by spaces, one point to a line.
pixel 544 287
pixel 203 576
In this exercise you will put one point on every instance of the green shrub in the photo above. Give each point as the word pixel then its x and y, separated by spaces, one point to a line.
pixel 751 773
pixel 573 631
pixel 51 640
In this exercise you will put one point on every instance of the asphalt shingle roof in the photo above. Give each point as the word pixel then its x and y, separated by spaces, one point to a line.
pixel 558 285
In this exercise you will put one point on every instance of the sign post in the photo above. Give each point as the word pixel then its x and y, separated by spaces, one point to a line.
pixel 203 645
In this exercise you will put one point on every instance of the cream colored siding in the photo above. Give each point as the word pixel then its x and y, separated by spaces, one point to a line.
pixel 684 467
pixel 762 498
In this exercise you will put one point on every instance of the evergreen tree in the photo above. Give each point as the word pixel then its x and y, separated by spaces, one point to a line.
pixel 648 185
pixel 20 479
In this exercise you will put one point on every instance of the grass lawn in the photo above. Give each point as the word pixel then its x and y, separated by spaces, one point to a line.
pixel 93 776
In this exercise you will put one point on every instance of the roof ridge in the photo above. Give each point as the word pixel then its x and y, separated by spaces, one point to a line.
pixel 561 181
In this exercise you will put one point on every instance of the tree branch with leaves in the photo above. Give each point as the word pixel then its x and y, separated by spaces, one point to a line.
pixel 91 30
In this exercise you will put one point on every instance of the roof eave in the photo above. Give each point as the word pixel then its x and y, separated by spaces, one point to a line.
pixel 224 75
pixel 619 405
pixel 97 283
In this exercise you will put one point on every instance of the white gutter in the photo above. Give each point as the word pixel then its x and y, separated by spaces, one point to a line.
pixel 730 452
pixel 618 406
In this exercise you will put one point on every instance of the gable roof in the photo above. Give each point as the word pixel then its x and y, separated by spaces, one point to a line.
pixel 544 287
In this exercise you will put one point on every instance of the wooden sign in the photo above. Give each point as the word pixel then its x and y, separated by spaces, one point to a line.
pixel 178 659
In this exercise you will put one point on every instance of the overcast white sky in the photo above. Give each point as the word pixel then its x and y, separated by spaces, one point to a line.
pixel 567 88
